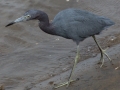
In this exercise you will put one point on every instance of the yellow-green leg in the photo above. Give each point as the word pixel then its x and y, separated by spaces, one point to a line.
pixel 102 53
pixel 70 77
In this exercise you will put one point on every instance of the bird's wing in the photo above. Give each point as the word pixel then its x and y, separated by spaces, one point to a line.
pixel 89 24
pixel 74 23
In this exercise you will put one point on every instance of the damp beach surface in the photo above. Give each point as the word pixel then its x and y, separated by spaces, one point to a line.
pixel 33 60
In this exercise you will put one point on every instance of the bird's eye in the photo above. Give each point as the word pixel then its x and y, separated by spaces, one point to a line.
pixel 28 15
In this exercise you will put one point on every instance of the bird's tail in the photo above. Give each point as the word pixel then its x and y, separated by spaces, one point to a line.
pixel 107 21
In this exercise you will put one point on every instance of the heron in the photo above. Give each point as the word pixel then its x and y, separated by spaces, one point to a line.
pixel 72 23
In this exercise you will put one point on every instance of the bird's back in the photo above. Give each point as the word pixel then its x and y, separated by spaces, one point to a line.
pixel 79 24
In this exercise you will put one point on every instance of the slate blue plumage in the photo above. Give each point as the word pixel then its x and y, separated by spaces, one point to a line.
pixel 72 24
pixel 79 24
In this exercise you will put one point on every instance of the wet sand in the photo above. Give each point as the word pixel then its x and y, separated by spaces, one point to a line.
pixel 33 60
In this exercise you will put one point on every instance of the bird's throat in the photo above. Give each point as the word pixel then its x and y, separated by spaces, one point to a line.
pixel 48 28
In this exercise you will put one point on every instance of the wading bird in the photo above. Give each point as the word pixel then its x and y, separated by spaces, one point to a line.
pixel 72 24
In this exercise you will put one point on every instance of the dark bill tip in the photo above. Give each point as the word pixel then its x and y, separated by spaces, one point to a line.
pixel 10 24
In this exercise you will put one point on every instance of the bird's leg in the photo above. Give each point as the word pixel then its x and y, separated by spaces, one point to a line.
pixel 70 77
pixel 102 52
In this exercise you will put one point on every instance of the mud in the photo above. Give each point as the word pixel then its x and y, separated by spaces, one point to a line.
pixel 33 60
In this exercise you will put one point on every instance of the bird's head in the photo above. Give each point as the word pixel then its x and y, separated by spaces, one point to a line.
pixel 29 15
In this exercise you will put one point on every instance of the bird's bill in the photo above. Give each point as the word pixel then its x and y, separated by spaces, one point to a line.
pixel 21 19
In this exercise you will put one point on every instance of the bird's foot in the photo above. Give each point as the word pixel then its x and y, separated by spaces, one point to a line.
pixel 65 83
pixel 102 59
pixel 102 63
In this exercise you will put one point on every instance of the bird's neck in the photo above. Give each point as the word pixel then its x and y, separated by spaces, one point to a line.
pixel 45 25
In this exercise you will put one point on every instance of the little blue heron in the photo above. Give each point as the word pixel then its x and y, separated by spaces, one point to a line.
pixel 72 24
